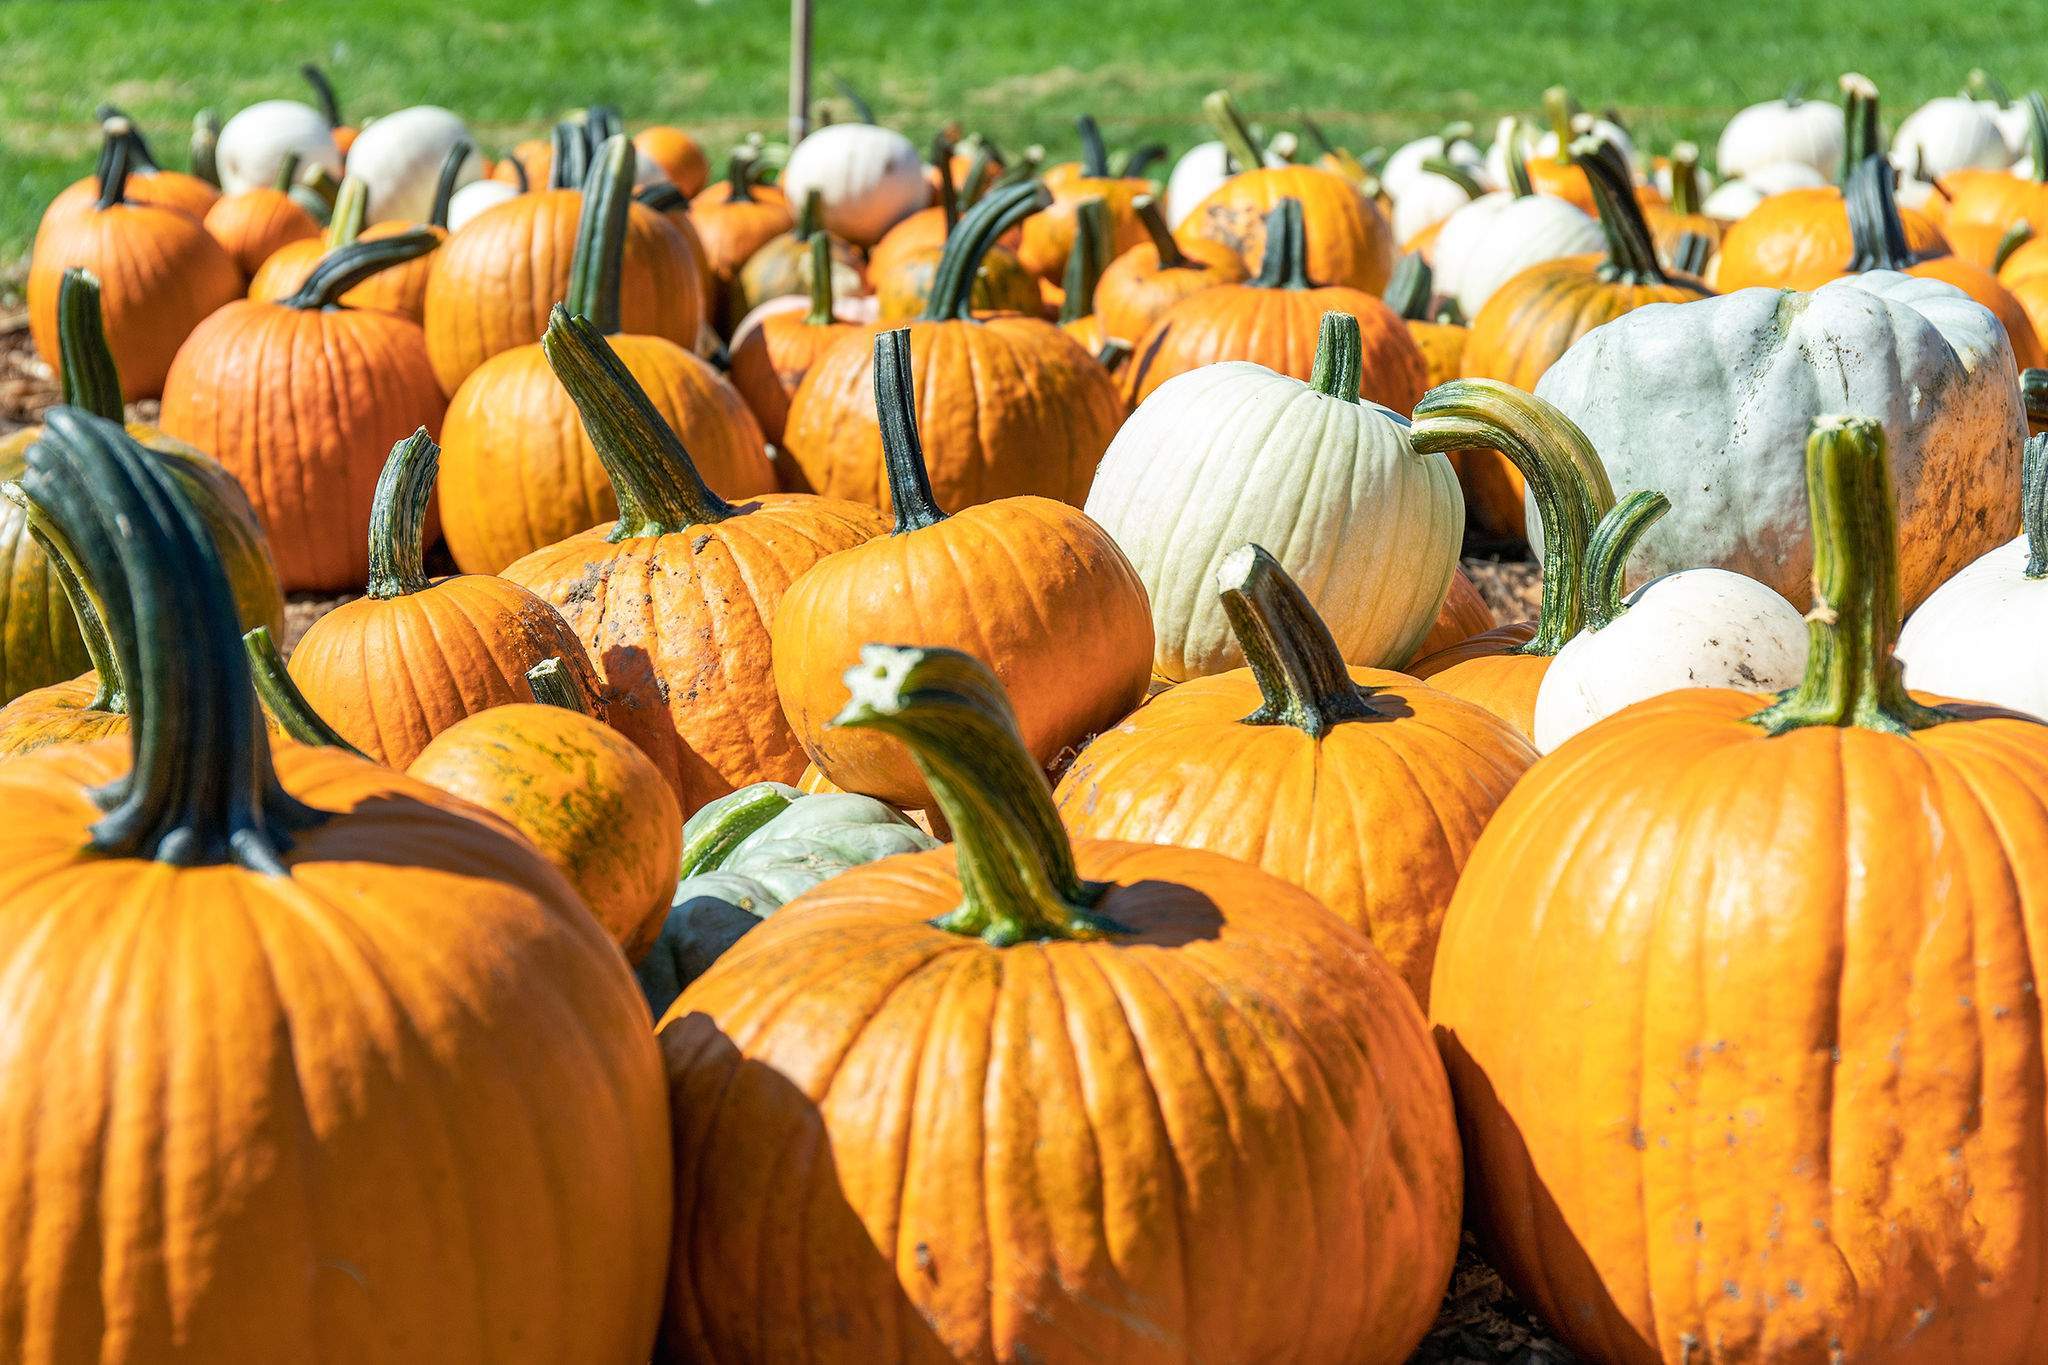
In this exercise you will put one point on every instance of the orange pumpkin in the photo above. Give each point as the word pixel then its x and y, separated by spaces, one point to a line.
pixel 160 274
pixel 518 471
pixel 1275 319
pixel 1009 405
pixel 782 264
pixel 299 401
pixel 1031 586
pixel 737 217
pixel 1983 205
pixel 1500 669
pixel 1049 236
pixel 1438 334
pixel 147 183
pixel 1463 615
pixel 1108 1019
pixel 678 155
pixel 1535 317
pixel 1350 242
pixel 672 601
pixel 1142 283
pixel 1092 251
pixel 284 270
pixel 254 223
pixel 771 358
pixel 1562 175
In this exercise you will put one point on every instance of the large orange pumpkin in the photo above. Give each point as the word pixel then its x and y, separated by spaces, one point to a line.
pixel 1274 319
pixel 1031 586
pixel 1787 1104
pixel 1008 405
pixel 243 989
pixel 1142 283
pixel 1463 615
pixel 148 183
pixel 1106 1101
pixel 253 224
pixel 673 601
pixel 771 358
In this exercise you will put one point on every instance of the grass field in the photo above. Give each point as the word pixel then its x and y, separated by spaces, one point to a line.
pixel 1019 71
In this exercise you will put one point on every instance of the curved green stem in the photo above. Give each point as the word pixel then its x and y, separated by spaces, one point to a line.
pixel 1026 168
pixel 1456 174
pixel 2034 503
pixel 1852 678
pixel 552 685
pixel 662 196
pixel 1560 109
pixel 952 293
pixel 1094 155
pixel 1410 287
pixel 1302 677
pixel 820 283
pixel 1515 144
pixel 862 111
pixel 525 182
pixel 1171 257
pixel 1086 262
pixel 942 166
pixel 1631 251
pixel 281 696
pixel 85 364
pixel 346 267
pixel 2012 239
pixel 1228 121
pixel 1285 265
pixel 910 484
pixel 1862 134
pixel 596 264
pixel 1018 883
pixel 570 163
pixel 206 146
pixel 110 692
pixel 287 173
pixel 2037 134
pixel 1340 358
pixel 659 489
pixel 323 92
pixel 118 163
pixel 739 175
pixel 444 183
pixel 979 171
pixel 1140 160
pixel 1982 85
pixel 1613 541
pixel 398 517
pixel 1687 191
pixel 351 213
pixel 142 156
pixel 1877 237
pixel 810 215
pixel 1560 466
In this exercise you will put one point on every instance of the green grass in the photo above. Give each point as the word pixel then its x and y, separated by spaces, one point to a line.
pixel 1019 70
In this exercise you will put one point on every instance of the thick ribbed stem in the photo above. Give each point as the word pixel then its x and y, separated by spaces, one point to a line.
pixel 1514 140
pixel 1631 251
pixel 346 267
pixel 1235 133
pixel 85 364
pixel 2034 503
pixel 1285 265
pixel 1302 677
pixel 1087 260
pixel 736 822
pixel 1559 108
pixel 821 282
pixel 444 184
pixel 110 693
pixel 810 216
pixel 2037 134
pixel 1018 882
pixel 1094 155
pixel 570 163
pixel 1410 287
pixel 323 91
pixel 1340 358
pixel 552 685
pixel 1687 193
pixel 952 295
pixel 115 167
pixel 287 173
pixel 1851 679
pixel 658 487
pixel 597 263
pixel 1877 237
pixel 351 213
pixel 1691 253
pixel 979 171
pixel 1171 257
pixel 1613 541
pixel 910 485
pixel 281 696
pixel 1862 134
pixel 739 176
pixel 206 146
pixel 398 517
pixel 942 167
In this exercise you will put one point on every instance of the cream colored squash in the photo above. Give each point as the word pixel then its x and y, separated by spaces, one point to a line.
pixel 1950 133
pixel 1497 236
pixel 1806 132
pixel 253 145
pixel 868 178
pixel 399 158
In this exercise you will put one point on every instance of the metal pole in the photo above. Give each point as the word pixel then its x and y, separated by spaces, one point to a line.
pixel 799 70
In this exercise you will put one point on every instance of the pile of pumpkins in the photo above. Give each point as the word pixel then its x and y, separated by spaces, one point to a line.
pixel 959 804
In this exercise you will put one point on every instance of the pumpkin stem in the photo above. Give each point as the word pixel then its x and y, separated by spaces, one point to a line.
pixel 2034 396
pixel 942 168
pixel 202 789
pixel 1563 472
pixel 1094 154
pixel 1980 84
pixel 1171 257
pixel 2012 239
pixel 398 517
pixel 570 161
pixel 821 314
pixel 1687 190
pixel 1514 139
pixel 596 264
pixel 810 216
pixel 444 183
pixel 1018 882
pixel 116 165
pixel 206 146
pixel 1877 237
pixel 739 175
pixel 659 489
pixel 663 197
pixel 978 172
pixel 316 193
pixel 552 685
pixel 953 281
pixel 1691 253
pixel 323 92
pixel 1340 358
pixel 1852 678
pixel 281 697
pixel 1862 134
pixel 1139 160
pixel 1301 672
pixel 1613 541
pixel 1560 108
pixel 1409 288
pixel 110 691
pixel 287 173
pixel 1286 261
pixel 2034 503
pixel 85 364
pixel 1236 134
pixel 910 484
pixel 1454 173
pixel 2037 134
pixel 141 156
pixel 1086 262
pixel 1631 252
pixel 350 214
pixel 346 267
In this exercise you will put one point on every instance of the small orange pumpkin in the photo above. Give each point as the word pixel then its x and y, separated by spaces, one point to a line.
pixel 1463 615
pixel 1983 205
pixel 737 217
pixel 678 155
pixel 254 223
pixel 1048 236
pixel 772 357
pixel 148 183
pixel 1142 283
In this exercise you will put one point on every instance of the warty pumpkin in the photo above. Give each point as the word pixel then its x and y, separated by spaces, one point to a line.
pixel 1034 588
pixel 1008 405
pixel 1112 1013
pixel 1149 278
pixel 1362 787
pixel 1273 319
pixel 1783 1110
pixel 518 471
pixel 673 600
pixel 771 358
pixel 395 667
pixel 299 399
pixel 253 223
pixel 256 979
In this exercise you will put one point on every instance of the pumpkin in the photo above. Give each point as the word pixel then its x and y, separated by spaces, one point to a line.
pixel 1141 284
pixel 746 855
pixel 1553 169
pixel 1349 241
pixel 1463 615
pixel 736 218
pixel 160 275
pixel 771 358
pixel 1985 202
pixel 1409 163
pixel 392 669
pixel 254 145
pixel 1438 189
pixel 1685 214
pixel 519 472
pixel 1795 129
pixel 476 198
pixel 1273 319
pixel 905 279
pixel 1092 251
pixel 1338 1250
pixel 1009 405
pixel 1656 394
pixel 1375 785
pixel 1501 669
pixel 1973 637
pixel 1494 238
pixel 1535 317
pixel 284 271
pixel 147 182
pixel 781 266
pixel 1694 628
pixel 1049 236
pixel 258 385
pixel 678 155
pixel 593 804
pixel 400 157
pixel 1371 527
pixel 1039 590
pixel 253 223
pixel 867 178
pixel 673 600
pixel 494 282
pixel 1778 927
pixel 330 107
pixel 929 226
pixel 293 960
pixel 1951 133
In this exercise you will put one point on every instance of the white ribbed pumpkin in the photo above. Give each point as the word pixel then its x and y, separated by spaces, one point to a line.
pixel 1426 198
pixel 473 198
pixel 1497 236
pixel 398 157
pixel 1735 198
pixel 1807 132
pixel 1950 133
pixel 868 178
pixel 1405 164
pixel 254 144
pixel 1235 453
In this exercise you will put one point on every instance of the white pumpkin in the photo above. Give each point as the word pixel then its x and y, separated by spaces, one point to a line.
pixel 1405 165
pixel 1948 134
pixel 1426 199
pixel 253 146
pixel 1234 453
pixel 1694 628
pixel 1713 399
pixel 473 198
pixel 1497 236
pixel 398 158
pixel 868 178
pixel 1735 199
pixel 1805 132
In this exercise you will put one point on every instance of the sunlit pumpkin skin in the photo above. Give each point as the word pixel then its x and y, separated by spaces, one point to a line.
pixel 1008 405
pixel 1032 587
pixel 300 402
pixel 1982 204
pixel 61 713
pixel 1145 280
pixel 1125 1062
pixel 772 357
pixel 1800 240
pixel 1464 614
pixel 1411 293
pixel 403 288
pixel 253 224
pixel 1805 930
pixel 673 602
pixel 903 290
pixel 737 217
pixel 1274 319
pixel 677 153
pixel 1049 235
